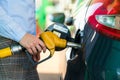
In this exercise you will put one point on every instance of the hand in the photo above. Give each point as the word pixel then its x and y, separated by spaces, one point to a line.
pixel 33 44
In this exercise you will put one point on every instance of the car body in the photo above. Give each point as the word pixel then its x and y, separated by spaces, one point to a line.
pixel 99 20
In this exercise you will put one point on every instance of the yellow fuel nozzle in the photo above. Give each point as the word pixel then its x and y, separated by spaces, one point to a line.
pixel 5 52
pixel 52 41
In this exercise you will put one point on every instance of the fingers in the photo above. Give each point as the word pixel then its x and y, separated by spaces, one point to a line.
pixel 33 44
pixel 37 47
pixel 42 45
pixel 36 57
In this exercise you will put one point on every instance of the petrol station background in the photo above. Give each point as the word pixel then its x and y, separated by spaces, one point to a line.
pixel 99 22
pixel 55 67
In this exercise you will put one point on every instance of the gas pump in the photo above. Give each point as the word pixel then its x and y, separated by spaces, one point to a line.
pixel 52 41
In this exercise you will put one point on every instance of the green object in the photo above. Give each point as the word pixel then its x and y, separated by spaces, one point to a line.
pixel 41 13
pixel 58 17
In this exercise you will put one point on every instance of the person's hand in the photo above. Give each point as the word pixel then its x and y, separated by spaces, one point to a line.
pixel 34 45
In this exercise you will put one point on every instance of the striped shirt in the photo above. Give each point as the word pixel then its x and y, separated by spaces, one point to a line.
pixel 17 17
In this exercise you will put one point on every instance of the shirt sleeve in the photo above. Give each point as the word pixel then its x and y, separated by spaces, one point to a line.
pixel 9 28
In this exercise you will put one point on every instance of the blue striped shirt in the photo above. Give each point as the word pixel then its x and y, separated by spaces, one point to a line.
pixel 17 17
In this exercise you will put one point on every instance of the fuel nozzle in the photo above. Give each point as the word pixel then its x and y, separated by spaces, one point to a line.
pixel 52 41
pixel 73 45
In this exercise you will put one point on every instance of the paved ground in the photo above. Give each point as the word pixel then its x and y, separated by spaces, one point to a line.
pixel 54 68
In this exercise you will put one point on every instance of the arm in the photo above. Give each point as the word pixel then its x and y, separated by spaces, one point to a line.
pixel 8 28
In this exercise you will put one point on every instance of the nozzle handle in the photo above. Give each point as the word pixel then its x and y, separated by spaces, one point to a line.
pixel 34 63
pixel 16 48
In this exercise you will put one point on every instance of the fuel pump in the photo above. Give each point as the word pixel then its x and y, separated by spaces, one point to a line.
pixel 51 40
